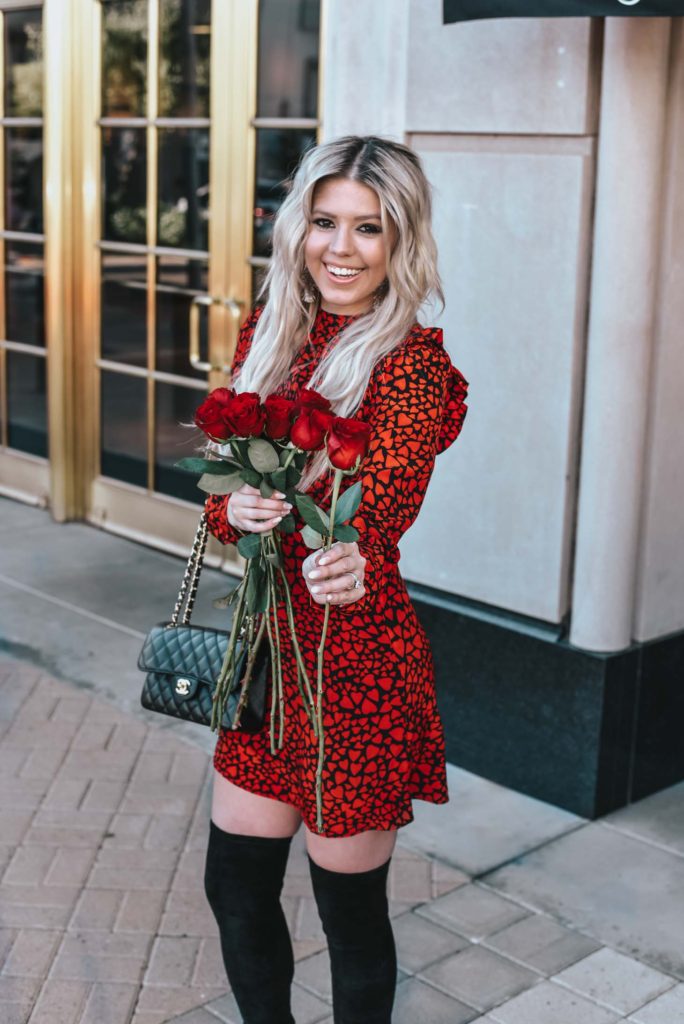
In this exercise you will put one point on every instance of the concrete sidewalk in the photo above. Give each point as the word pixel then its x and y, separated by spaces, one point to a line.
pixel 505 909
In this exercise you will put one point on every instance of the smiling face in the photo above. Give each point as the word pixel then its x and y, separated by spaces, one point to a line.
pixel 346 248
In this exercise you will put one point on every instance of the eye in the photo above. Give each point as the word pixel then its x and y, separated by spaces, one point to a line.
pixel 370 229
pixel 322 222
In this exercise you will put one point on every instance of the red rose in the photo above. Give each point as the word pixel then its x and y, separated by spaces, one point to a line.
pixel 309 429
pixel 279 413
pixel 310 399
pixel 210 415
pixel 246 414
pixel 347 442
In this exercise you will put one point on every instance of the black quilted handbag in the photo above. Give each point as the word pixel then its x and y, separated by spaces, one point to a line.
pixel 182 662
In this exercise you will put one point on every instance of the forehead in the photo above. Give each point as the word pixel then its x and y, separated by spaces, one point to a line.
pixel 342 195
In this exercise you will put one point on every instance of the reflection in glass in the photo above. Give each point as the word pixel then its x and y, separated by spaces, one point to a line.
pixel 184 188
pixel 123 417
pixel 178 280
pixel 288 58
pixel 278 152
pixel 184 58
pixel 24 293
pixel 24 175
pixel 176 406
pixel 26 404
pixel 24 63
pixel 124 210
pixel 124 308
pixel 124 58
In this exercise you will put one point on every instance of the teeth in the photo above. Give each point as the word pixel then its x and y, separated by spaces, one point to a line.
pixel 343 271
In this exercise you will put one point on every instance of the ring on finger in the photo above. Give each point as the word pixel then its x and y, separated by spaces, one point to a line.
pixel 357 582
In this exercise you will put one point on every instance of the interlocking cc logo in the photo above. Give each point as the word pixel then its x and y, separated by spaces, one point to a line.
pixel 182 687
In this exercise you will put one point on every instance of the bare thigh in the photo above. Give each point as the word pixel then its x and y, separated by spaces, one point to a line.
pixel 350 854
pixel 236 810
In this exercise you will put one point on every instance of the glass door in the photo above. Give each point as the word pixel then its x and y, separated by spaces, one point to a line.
pixel 23 352
pixel 204 108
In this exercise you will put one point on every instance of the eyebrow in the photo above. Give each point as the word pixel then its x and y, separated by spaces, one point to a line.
pixel 364 216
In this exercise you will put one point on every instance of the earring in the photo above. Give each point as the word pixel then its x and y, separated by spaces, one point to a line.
pixel 380 294
pixel 309 288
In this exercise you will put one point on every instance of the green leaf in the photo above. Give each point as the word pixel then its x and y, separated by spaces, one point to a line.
pixel 310 513
pixel 284 455
pixel 300 459
pixel 251 477
pixel 242 448
pixel 263 456
pixel 249 545
pixel 218 466
pixel 261 603
pixel 348 502
pixel 294 475
pixel 265 489
pixel 213 484
pixel 311 538
pixel 279 479
pixel 225 602
pixel 347 534
pixel 252 588
pixel 274 557
pixel 286 524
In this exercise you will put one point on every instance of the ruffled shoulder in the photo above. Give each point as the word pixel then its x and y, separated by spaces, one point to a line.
pixel 455 407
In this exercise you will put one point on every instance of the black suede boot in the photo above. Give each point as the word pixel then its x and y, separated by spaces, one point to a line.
pixel 354 912
pixel 243 881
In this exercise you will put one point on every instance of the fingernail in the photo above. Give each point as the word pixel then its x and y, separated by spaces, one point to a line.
pixel 288 506
pixel 279 494
pixel 314 574
pixel 322 561
pixel 316 590
pixel 328 597
pixel 278 518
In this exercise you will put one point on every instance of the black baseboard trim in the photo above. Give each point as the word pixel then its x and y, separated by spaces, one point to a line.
pixel 585 731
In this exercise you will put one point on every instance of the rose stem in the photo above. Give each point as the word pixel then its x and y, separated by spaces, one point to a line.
pixel 319 679
pixel 276 627
pixel 244 695
pixel 219 697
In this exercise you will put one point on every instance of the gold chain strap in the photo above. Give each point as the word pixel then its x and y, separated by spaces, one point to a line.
pixel 188 587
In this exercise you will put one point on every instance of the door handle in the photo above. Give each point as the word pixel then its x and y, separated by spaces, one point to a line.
pixel 234 308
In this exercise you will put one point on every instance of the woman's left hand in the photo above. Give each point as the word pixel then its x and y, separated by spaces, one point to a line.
pixel 327 574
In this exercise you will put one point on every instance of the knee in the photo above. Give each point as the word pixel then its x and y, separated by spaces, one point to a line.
pixel 243 875
pixel 352 906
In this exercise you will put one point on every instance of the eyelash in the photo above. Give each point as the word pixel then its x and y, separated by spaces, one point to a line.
pixel 320 222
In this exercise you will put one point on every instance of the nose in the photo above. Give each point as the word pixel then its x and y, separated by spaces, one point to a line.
pixel 341 243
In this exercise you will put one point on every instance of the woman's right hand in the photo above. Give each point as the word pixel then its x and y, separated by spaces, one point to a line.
pixel 251 513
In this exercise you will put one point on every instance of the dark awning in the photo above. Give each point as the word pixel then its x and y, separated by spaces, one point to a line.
pixel 469 10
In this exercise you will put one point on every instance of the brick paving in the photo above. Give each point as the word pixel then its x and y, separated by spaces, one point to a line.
pixel 103 918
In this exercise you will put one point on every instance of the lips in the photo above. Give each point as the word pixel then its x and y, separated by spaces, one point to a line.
pixel 337 273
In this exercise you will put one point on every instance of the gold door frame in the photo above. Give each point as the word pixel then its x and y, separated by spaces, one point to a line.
pixel 120 507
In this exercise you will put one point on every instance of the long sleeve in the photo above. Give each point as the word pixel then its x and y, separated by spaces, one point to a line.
pixel 216 505
pixel 418 409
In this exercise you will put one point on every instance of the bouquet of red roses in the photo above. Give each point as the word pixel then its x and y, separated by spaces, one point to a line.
pixel 266 445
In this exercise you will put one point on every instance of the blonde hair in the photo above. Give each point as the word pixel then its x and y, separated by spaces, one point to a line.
pixel 395 174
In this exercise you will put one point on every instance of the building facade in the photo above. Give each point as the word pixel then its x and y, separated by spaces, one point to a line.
pixel 145 146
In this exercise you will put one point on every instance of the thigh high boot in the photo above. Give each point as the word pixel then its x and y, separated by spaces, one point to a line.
pixel 354 914
pixel 243 881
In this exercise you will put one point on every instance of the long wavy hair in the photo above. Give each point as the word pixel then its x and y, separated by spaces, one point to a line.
pixel 395 174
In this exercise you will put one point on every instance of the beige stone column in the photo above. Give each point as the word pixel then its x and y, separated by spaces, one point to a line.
pixel 620 335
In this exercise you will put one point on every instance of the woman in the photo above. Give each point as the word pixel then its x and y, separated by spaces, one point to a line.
pixel 353 260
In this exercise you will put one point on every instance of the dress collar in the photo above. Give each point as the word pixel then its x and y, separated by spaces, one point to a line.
pixel 327 325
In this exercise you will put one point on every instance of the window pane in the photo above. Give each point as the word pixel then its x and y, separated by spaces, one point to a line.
pixel 176 407
pixel 184 188
pixel 184 58
pixel 124 58
pixel 288 58
pixel 23 64
pixel 24 202
pixel 124 308
pixel 123 418
pixel 25 293
pixel 278 152
pixel 26 403
pixel 124 185
pixel 178 280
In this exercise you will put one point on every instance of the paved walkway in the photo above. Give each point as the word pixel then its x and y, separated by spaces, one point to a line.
pixel 506 910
